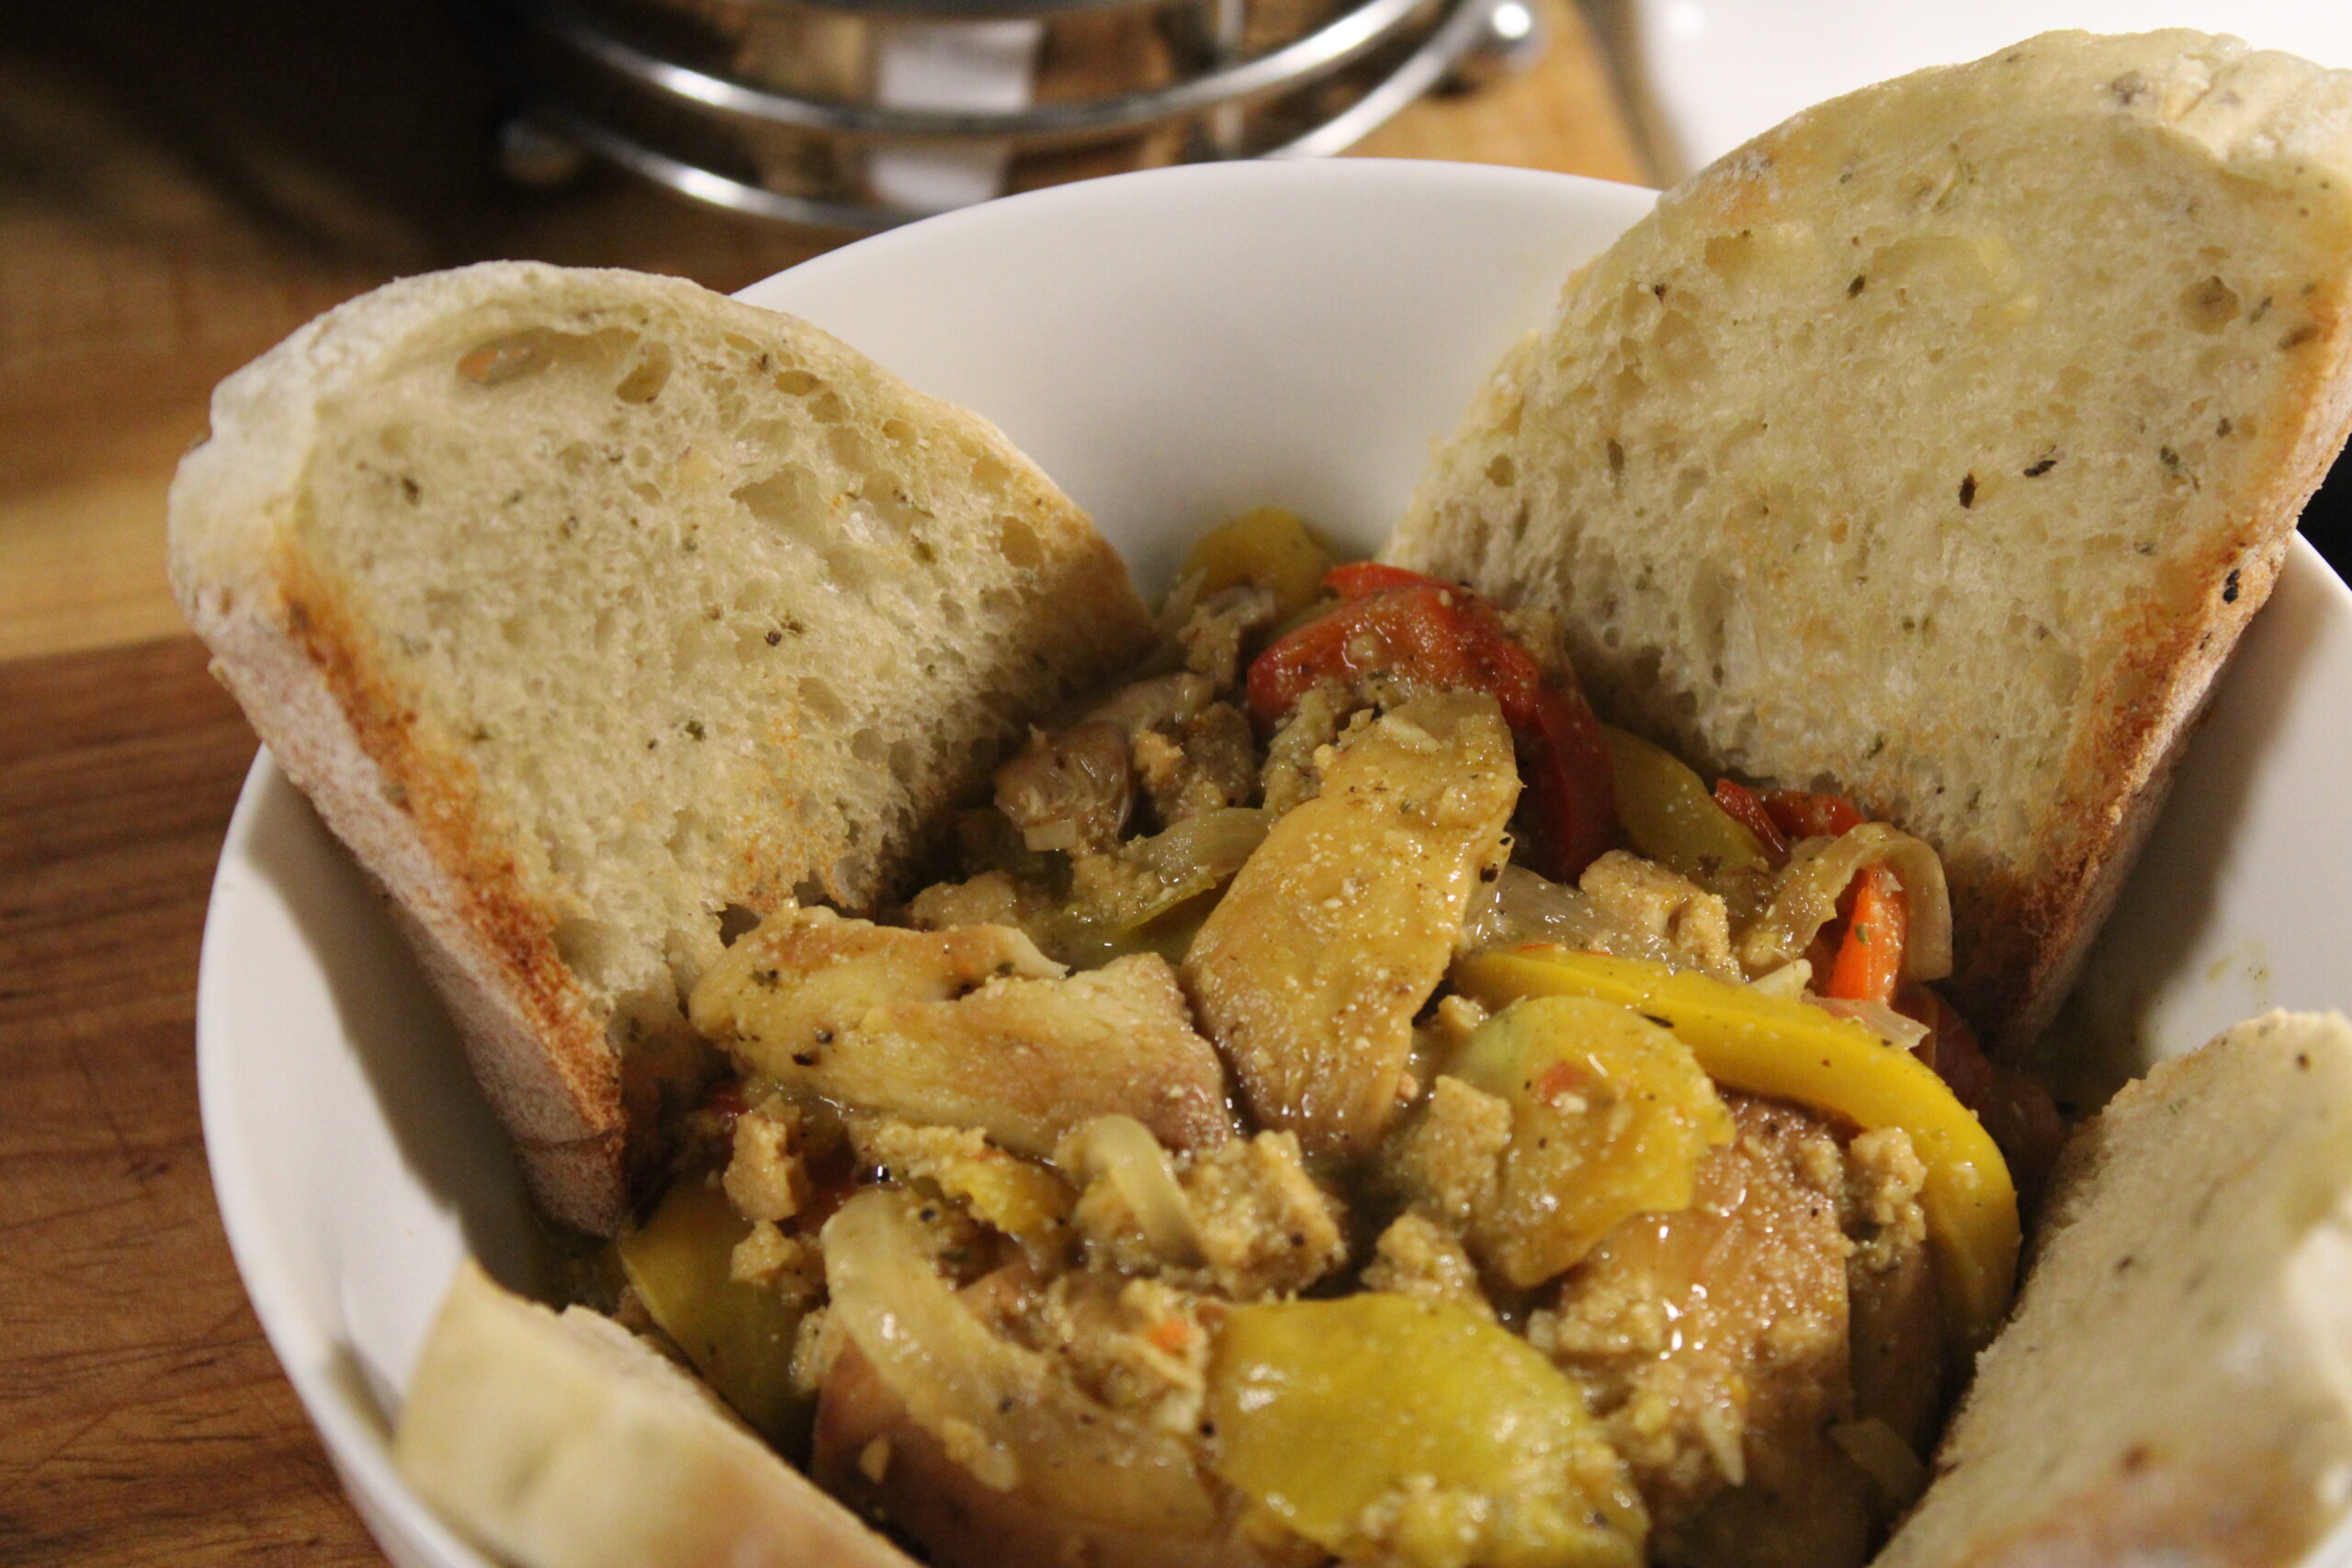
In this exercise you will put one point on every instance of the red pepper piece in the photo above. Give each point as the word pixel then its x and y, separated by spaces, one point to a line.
pixel 1573 792
pixel 1424 633
pixel 1950 1047
pixel 2013 1104
pixel 1360 578
pixel 726 1102
pixel 1740 803
pixel 2024 1121
pixel 1805 814
pixel 1436 635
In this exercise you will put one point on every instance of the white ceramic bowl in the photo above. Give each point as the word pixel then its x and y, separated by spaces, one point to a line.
pixel 1173 346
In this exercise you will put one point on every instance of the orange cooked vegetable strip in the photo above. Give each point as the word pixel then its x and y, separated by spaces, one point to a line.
pixel 1870 961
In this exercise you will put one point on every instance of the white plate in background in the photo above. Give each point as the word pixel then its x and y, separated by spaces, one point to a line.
pixel 1720 71
pixel 1175 346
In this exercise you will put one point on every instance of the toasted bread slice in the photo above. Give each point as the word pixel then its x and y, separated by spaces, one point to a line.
pixel 2176 1387
pixel 568 1443
pixel 588 607
pixel 1935 446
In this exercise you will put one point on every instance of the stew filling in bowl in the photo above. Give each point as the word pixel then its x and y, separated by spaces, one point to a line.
pixel 1345 1101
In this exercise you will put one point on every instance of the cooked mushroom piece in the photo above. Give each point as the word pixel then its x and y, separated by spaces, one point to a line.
pixel 1070 791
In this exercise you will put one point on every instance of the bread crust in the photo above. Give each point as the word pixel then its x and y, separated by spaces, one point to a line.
pixel 563 1440
pixel 2168 1389
pixel 342 739
pixel 296 644
pixel 2250 1515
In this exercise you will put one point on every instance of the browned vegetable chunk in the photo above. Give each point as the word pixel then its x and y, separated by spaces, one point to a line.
pixel 1243 1219
pixel 963 1028
pixel 1609 1115
pixel 1714 1343
pixel 1338 928
pixel 1891 1286
pixel 1070 791
pixel 978 1448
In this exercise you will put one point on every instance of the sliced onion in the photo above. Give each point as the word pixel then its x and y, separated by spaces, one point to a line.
pixel 1789 980
pixel 1122 1151
pixel 1519 907
pixel 1877 1017
pixel 1882 1455
pixel 1806 900
pixel 1203 851
pixel 1197 855
pixel 939 1359
pixel 1022 1425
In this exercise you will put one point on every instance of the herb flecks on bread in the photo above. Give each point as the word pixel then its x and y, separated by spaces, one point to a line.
pixel 1935 446
pixel 588 606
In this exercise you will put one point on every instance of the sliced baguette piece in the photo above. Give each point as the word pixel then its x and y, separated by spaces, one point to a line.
pixel 2176 1387
pixel 1935 446
pixel 589 608
pixel 569 1442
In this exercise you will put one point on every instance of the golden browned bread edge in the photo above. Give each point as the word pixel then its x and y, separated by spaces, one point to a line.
pixel 2246 1518
pixel 541 1057
pixel 2214 1192
pixel 2023 937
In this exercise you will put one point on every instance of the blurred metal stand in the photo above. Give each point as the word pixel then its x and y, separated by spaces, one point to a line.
pixel 1616 28
pixel 781 108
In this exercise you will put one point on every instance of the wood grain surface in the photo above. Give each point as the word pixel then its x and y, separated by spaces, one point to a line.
pixel 180 186
pixel 142 1418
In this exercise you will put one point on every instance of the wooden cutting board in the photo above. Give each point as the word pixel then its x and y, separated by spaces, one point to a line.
pixel 180 186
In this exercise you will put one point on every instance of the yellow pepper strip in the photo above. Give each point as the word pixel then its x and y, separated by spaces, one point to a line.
pixel 1269 547
pixel 1672 818
pixel 738 1335
pixel 1789 1050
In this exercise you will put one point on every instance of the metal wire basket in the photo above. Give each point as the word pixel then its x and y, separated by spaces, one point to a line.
pixel 859 113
